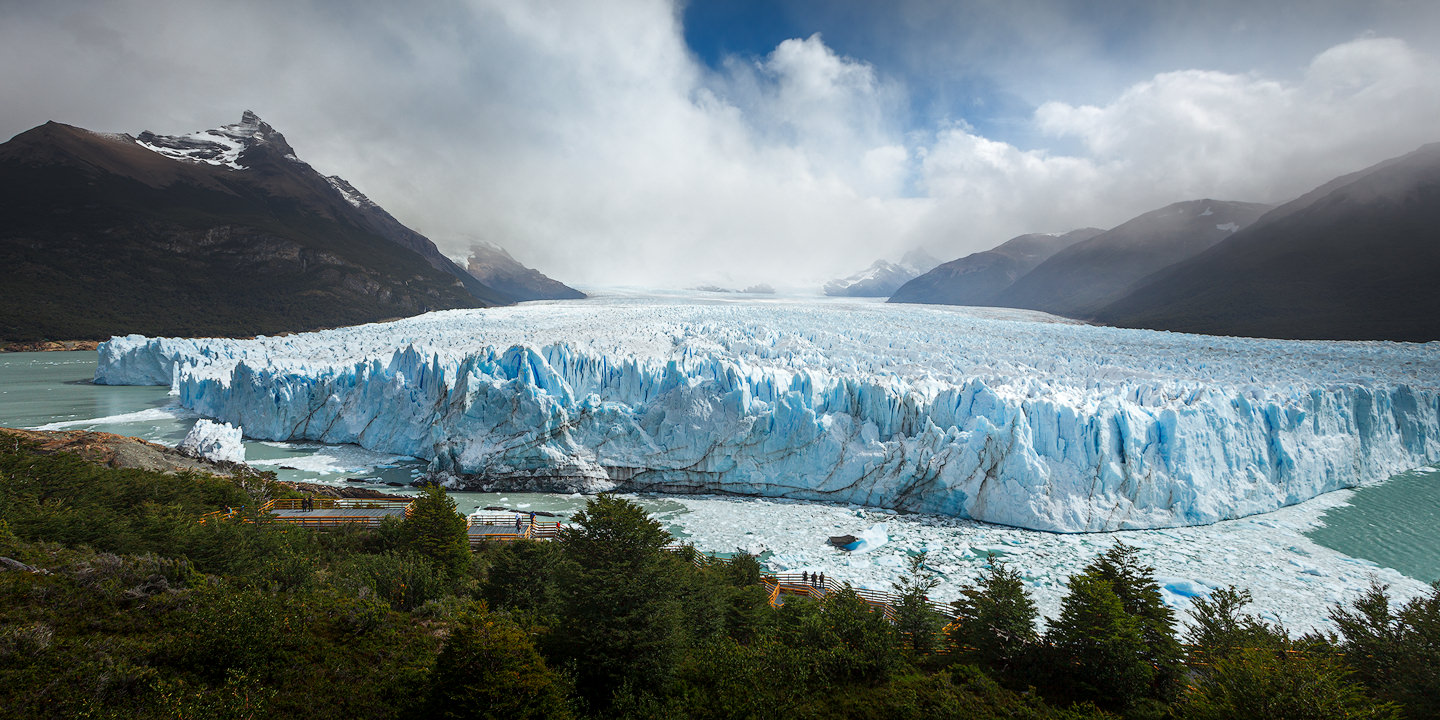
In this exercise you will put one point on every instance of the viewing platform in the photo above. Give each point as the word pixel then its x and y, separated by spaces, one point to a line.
pixel 327 512
pixel 810 586
pixel 504 527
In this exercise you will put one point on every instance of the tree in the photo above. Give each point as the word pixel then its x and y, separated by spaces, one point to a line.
pixel 915 620
pixel 1395 652
pixel 1267 684
pixel 995 618
pixel 489 669
pixel 434 529
pixel 524 576
pixel 1100 649
pixel 620 620
pixel 1134 583
pixel 1220 627
pixel 851 641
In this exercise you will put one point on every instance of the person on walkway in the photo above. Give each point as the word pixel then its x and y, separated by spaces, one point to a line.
pixel 821 583
pixel 804 577
pixel 518 524
pixel 532 520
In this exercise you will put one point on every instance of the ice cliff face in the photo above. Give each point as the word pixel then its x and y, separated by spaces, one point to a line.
pixel 998 415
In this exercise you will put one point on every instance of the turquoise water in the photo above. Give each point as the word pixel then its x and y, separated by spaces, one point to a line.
pixel 1395 524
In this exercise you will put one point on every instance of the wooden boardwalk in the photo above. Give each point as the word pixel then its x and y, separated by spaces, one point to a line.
pixel 504 527
pixel 326 512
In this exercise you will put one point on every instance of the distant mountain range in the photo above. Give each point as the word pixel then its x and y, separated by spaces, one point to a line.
pixel 979 278
pixel 492 265
pixel 217 232
pixel 1357 258
pixel 883 277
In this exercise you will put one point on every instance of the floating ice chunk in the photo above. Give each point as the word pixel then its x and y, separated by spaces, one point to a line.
pixel 220 442
pixel 873 538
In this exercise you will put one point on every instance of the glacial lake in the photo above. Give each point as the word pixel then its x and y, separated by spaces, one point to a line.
pixel 1297 561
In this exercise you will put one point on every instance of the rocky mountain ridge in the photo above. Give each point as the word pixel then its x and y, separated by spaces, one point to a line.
pixel 217 232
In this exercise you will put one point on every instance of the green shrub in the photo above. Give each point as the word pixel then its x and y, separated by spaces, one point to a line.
pixel 1261 684
pixel 404 580
pixel 488 669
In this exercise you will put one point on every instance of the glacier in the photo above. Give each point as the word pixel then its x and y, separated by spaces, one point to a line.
pixel 1003 416
pixel 220 442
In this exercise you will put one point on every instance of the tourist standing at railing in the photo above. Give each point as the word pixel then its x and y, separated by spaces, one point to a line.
pixel 821 583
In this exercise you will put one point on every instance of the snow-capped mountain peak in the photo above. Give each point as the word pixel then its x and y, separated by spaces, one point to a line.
pixel 222 146
pixel 883 277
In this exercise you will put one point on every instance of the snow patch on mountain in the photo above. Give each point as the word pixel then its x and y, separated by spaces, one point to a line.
pixel 220 146
pixel 962 412
pixel 883 277
pixel 348 191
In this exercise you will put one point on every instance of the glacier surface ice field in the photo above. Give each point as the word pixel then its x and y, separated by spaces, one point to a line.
pixel 1003 416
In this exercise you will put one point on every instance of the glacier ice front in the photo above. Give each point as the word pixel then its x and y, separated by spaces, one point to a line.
pixel 998 415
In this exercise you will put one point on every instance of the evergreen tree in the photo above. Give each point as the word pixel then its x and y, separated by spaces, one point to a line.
pixel 1134 583
pixel 620 623
pixel 524 577
pixel 488 669
pixel 915 620
pixel 1100 649
pixel 435 530
pixel 862 643
pixel 995 618
pixel 1220 627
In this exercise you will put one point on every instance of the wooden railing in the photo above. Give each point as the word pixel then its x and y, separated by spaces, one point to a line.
pixel 327 520
pixel 337 503
pixel 806 585
pixel 483 527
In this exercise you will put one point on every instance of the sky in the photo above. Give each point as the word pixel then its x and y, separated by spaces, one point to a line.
pixel 733 142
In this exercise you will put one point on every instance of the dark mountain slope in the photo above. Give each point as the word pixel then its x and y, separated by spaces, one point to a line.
pixel 494 267
pixel 1091 274
pixel 1356 259
pixel 978 278
pixel 222 232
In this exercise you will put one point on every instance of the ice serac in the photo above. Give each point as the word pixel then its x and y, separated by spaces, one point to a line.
pixel 214 441
pixel 999 415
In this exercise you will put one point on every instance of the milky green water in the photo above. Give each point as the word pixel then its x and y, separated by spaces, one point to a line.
pixel 1395 524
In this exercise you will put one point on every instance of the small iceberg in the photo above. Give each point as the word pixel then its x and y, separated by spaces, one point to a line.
pixel 220 442
pixel 869 540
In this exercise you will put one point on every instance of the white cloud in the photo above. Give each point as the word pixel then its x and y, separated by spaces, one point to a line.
pixel 588 140
pixel 1190 134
